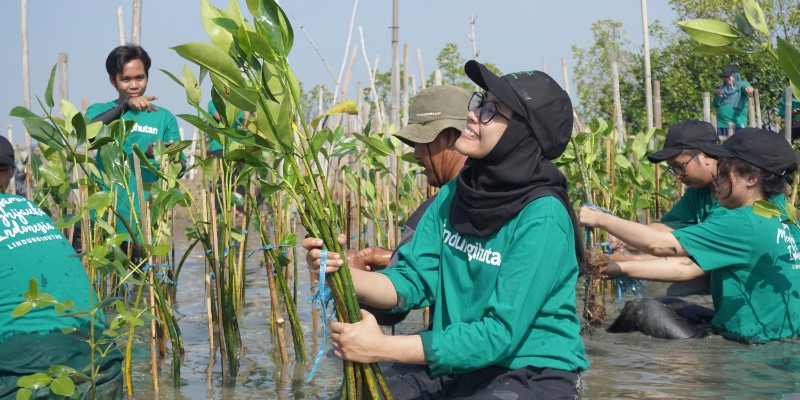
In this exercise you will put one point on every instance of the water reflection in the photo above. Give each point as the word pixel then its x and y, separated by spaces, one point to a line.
pixel 626 365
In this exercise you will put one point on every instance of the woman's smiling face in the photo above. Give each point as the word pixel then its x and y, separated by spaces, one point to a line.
pixel 478 139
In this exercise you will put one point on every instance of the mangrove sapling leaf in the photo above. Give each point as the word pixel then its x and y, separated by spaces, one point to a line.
pixel 63 306
pixel 219 36
pixel 742 24
pixel 99 201
pixel 63 386
pixel 258 45
pixel 243 97
pixel 69 111
pixel 755 17
pixel 710 32
pixel 766 209
pixel 48 93
pixel 374 144
pixel 22 113
pixel 271 23
pixel 789 61
pixel 34 381
pixel 227 24
pixel 193 93
pixel 43 132
pixel 212 58
pixel 161 249
pixel 67 220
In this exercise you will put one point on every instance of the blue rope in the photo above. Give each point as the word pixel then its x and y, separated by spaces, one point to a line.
pixel 268 247
pixel 321 298
pixel 160 273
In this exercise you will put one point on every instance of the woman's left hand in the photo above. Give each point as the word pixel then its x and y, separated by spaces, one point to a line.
pixel 358 342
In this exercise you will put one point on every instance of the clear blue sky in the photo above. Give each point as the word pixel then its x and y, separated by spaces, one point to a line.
pixel 514 35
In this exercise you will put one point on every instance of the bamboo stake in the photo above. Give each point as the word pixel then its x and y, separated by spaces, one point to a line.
pixel 404 122
pixel 751 114
pixel 422 79
pixel 121 26
pixel 618 121
pixel 437 77
pixel 707 107
pixel 63 83
pixel 544 65
pixel 413 85
pixel 757 99
pixel 277 319
pixel 576 121
pixel 373 89
pixel 26 95
pixel 136 25
pixel 346 48
pixel 648 88
pixel 349 74
pixel 657 104
pixel 472 19
pixel 787 114
pixel 12 185
pixel 145 223
pixel 394 108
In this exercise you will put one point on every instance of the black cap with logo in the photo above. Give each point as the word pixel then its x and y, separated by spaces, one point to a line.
pixel 687 135
pixel 765 149
pixel 534 96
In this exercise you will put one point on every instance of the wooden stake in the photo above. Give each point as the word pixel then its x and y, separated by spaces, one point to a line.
pixel 26 95
pixel 618 120
pixel 757 99
pixel 121 26
pixel 472 19
pixel 136 24
pixel 423 81
pixel 394 114
pixel 707 107
pixel 648 89
pixel 657 104
pixel 63 79
pixel 404 122
pixel 346 48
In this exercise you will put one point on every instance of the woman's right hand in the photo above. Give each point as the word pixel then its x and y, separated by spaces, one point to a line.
pixel 314 247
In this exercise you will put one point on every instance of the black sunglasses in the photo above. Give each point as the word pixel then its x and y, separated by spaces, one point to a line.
pixel 488 108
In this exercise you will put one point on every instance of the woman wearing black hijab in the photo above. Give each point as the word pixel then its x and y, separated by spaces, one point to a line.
pixel 496 256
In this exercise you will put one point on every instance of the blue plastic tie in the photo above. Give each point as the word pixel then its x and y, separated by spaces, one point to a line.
pixel 321 298
pixel 268 247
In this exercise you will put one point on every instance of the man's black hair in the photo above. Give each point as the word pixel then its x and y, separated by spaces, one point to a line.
pixel 123 55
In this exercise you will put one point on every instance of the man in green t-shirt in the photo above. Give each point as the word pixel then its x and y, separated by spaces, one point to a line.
pixel 32 248
pixel 128 68
pixel 686 150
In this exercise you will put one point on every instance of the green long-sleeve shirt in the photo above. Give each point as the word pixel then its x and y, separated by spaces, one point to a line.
pixel 506 300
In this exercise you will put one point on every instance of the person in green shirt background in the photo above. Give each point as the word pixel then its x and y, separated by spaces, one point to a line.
pixel 731 100
pixel 496 255
pixel 128 67
pixel 754 261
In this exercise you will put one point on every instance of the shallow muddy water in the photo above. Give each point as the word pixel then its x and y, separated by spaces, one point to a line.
pixel 623 366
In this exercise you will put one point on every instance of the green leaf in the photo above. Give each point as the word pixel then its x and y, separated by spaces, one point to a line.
pixel 374 144
pixel 755 16
pixel 22 309
pixel 710 32
pixel 193 94
pixel 22 112
pixel 99 201
pixel 162 249
pixel 284 133
pixel 289 240
pixel 62 385
pixel 789 61
pixel 53 175
pixel 24 394
pixel 259 46
pixel 243 97
pixel 219 36
pixel 271 22
pixel 48 94
pixel 43 132
pixel 212 58
pixel 67 220
pixel 62 370
pixel 717 50
pixel 65 305
pixel 766 209
pixel 35 381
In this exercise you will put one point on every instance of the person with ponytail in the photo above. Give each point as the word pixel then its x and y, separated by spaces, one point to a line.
pixel 496 255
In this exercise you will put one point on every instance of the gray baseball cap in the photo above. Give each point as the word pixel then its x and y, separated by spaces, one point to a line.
pixel 434 110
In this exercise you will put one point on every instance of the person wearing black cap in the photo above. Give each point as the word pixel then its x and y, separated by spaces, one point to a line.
pixel 754 260
pixel 496 256
pixel 731 100
pixel 7 163
pixel 687 150
pixel 435 121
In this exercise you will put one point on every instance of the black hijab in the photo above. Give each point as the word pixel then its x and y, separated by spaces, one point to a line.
pixel 493 189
